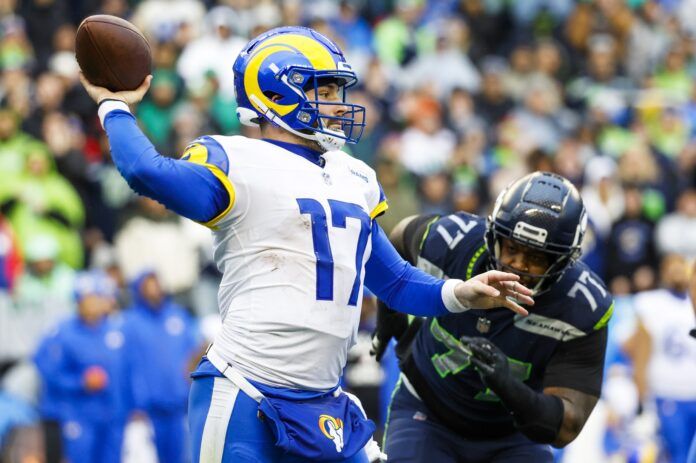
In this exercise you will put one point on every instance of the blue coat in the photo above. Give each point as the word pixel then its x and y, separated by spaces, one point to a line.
pixel 160 342
pixel 62 359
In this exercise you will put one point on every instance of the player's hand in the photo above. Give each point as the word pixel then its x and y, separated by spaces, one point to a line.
pixel 494 289
pixel 95 378
pixel 390 324
pixel 129 97
pixel 491 363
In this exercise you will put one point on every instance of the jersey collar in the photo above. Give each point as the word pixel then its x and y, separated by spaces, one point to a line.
pixel 309 154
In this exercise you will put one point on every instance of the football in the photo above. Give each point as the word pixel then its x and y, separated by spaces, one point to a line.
pixel 112 53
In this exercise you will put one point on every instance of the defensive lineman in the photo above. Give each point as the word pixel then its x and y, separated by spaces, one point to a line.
pixel 491 386
pixel 295 236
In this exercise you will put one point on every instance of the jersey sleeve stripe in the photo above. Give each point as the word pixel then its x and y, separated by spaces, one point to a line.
pixel 605 318
pixel 379 209
pixel 207 152
pixel 227 183
pixel 382 196
pixel 427 231
pixel 472 262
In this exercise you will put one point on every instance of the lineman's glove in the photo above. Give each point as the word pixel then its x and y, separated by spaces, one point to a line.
pixel 390 324
pixel 490 361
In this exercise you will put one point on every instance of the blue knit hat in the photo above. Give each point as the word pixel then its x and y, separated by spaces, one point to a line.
pixel 93 282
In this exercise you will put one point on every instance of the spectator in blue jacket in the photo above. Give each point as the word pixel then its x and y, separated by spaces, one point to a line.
pixel 161 338
pixel 82 370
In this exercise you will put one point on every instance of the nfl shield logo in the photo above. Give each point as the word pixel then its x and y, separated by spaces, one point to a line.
pixel 483 325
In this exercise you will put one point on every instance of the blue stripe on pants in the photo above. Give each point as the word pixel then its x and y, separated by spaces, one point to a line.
pixel 225 427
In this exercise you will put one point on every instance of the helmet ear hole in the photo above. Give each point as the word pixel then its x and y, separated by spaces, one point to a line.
pixel 273 96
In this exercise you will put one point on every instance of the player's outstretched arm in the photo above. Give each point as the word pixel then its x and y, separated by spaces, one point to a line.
pixel 408 289
pixel 494 289
pixel 189 189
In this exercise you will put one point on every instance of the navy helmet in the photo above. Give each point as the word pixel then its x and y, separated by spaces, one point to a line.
pixel 542 211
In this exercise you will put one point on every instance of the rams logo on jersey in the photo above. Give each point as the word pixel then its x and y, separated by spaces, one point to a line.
pixel 332 428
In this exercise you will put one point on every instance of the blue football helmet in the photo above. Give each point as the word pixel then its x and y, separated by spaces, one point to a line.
pixel 542 211
pixel 276 78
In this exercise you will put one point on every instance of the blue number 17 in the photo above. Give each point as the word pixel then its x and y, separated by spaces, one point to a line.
pixel 340 211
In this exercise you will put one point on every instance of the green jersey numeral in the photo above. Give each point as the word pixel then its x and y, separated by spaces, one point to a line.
pixel 456 359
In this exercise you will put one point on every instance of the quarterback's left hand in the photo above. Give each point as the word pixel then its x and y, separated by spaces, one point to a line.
pixel 489 360
pixel 494 289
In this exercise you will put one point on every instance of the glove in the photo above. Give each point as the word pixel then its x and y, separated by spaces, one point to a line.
pixel 490 362
pixel 536 415
pixel 390 324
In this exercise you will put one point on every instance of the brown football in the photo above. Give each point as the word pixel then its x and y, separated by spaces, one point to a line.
pixel 112 53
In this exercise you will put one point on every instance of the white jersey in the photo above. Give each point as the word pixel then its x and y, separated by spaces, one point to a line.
pixel 668 318
pixel 292 249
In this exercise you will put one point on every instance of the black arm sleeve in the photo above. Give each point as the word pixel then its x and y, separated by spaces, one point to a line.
pixel 579 364
pixel 414 234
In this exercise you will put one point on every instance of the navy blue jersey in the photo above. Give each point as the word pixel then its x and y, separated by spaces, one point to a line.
pixel 572 313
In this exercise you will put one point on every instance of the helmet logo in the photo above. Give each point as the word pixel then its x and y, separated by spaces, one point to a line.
pixel 316 53
pixel 530 233
pixel 251 82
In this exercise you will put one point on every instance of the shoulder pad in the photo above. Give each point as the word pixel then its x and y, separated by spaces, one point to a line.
pixel 451 242
pixel 207 151
pixel 374 195
pixel 591 302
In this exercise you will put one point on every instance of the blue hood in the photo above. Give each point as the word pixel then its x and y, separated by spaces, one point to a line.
pixel 139 300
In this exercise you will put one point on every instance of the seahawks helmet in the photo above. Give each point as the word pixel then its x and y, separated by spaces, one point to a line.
pixel 276 77
pixel 543 211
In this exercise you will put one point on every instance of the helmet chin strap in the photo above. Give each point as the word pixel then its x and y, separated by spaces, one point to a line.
pixel 327 141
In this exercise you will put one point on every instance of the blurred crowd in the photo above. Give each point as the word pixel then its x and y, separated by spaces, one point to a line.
pixel 462 97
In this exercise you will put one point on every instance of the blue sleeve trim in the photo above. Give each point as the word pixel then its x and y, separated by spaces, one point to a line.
pixel 382 196
pixel 400 285
pixel 187 188
pixel 216 153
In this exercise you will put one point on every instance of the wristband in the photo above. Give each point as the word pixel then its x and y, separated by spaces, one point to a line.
pixel 450 299
pixel 110 104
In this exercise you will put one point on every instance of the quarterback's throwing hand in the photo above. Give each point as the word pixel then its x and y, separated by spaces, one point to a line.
pixel 98 94
pixel 494 289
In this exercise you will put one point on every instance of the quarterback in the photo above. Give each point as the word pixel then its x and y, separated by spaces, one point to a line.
pixel 489 386
pixel 295 237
